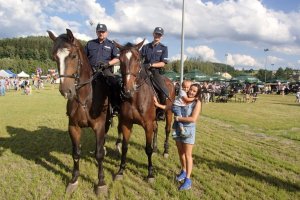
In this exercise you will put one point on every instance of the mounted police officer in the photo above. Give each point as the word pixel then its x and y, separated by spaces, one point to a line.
pixel 103 54
pixel 155 55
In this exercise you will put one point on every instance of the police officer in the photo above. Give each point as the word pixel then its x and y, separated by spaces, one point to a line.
pixel 103 54
pixel 155 55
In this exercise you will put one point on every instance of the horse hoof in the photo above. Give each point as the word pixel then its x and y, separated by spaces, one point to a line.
pixel 151 180
pixel 166 155
pixel 103 190
pixel 118 177
pixel 71 187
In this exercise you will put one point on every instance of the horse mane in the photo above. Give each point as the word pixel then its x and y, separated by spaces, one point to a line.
pixel 128 46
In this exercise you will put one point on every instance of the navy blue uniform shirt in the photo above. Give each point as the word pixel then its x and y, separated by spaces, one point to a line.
pixel 105 51
pixel 153 54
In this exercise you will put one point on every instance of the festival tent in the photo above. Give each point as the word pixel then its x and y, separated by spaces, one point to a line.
pixel 173 76
pixel 196 75
pixel 246 79
pixel 226 75
pixel 22 74
pixel 11 73
pixel 3 73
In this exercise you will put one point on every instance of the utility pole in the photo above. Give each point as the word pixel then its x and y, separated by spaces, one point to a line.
pixel 182 45
pixel 266 50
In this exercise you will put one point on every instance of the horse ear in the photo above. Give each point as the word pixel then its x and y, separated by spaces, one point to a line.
pixel 70 35
pixel 139 45
pixel 118 45
pixel 51 35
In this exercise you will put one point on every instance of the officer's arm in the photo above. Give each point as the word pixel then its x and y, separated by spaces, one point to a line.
pixel 115 56
pixel 158 64
pixel 163 59
pixel 114 61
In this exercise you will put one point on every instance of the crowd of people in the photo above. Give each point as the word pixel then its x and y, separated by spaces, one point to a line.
pixel 20 84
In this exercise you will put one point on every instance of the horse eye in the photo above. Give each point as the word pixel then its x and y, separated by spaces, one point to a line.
pixel 73 56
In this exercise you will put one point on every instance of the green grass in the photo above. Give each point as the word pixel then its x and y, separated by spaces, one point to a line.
pixel 242 151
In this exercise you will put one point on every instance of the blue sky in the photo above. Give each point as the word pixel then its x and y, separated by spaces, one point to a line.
pixel 241 29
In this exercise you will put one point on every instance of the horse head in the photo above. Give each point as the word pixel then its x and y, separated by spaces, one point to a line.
pixel 66 52
pixel 130 66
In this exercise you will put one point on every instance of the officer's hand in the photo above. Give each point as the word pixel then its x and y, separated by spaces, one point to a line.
pixel 103 64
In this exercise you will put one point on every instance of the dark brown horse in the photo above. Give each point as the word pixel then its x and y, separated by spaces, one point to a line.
pixel 87 104
pixel 138 105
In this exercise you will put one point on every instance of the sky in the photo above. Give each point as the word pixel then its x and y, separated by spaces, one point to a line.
pixel 233 32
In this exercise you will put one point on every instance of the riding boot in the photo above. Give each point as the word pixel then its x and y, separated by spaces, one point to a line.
pixel 114 95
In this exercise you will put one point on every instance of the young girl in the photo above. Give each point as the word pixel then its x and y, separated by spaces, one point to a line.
pixel 185 144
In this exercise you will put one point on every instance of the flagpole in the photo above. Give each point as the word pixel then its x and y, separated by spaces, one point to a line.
pixel 182 46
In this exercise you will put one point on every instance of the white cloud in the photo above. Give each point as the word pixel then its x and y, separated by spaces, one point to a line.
pixel 139 39
pixel 204 52
pixel 241 60
pixel 248 22
pixel 178 57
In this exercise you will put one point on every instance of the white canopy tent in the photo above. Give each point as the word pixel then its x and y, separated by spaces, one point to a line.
pixel 3 73
pixel 22 74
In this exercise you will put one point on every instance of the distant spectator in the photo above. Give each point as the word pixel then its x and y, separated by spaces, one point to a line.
pixel 27 89
pixel 2 86
pixel 298 96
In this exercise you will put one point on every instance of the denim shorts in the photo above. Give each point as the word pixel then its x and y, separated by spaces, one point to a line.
pixel 191 130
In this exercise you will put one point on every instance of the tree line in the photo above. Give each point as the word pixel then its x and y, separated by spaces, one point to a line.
pixel 30 53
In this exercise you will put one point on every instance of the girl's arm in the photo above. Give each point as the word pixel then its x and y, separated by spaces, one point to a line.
pixel 158 104
pixel 194 116
pixel 187 99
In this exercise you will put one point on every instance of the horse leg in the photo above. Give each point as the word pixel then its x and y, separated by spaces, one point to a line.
pixel 99 154
pixel 75 134
pixel 119 140
pixel 154 141
pixel 149 150
pixel 126 130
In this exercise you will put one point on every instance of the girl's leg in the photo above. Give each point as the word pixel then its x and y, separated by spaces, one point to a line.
pixel 181 155
pixel 187 152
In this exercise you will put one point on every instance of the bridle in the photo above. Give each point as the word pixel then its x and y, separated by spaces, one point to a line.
pixel 136 75
pixel 128 71
pixel 76 75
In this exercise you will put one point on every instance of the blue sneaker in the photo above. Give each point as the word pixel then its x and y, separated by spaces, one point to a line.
pixel 180 177
pixel 187 184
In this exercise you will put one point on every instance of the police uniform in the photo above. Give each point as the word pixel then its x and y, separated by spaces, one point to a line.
pixel 154 54
pixel 104 52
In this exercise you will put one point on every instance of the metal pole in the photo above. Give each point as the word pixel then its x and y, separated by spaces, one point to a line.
pixel 266 50
pixel 182 46
pixel 226 55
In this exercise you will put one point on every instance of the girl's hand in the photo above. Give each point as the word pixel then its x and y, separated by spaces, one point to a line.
pixel 155 100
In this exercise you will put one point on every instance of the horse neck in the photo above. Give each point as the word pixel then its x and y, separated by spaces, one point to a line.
pixel 85 76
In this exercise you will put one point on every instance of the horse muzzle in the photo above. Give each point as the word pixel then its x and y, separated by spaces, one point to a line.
pixel 127 94
pixel 67 93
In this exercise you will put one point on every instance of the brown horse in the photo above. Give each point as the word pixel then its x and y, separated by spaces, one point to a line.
pixel 138 105
pixel 87 105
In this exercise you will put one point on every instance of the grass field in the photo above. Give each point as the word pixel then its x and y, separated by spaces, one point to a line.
pixel 242 151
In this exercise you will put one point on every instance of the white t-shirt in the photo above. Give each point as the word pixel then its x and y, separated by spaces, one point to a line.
pixel 179 101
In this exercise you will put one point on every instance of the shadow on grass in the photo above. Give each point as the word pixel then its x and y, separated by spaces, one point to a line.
pixel 39 145
pixel 287 104
pixel 249 173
